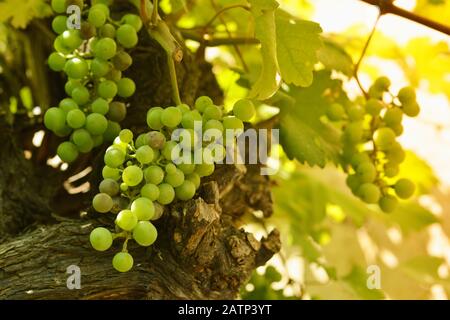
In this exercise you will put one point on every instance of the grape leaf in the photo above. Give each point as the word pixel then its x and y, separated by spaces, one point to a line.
pixel 302 133
pixel 412 217
pixel 20 13
pixel 297 45
pixel 357 279
pixel 334 57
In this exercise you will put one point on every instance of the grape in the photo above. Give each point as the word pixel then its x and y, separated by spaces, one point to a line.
pixel 171 117
pixel 396 154
pixel 393 117
pixel 96 17
pixel 105 48
pixel 126 220
pixel 154 175
pixel 183 108
pixel 59 24
pixel 123 187
pixel 98 140
pixel 117 111
pixel 96 123
pixel 194 178
pixel 156 140
pixel 335 112
pixel 170 150
pixel 369 193
pixel 112 130
pixel 100 106
pixel 159 210
pixel 56 61
pixel 366 172
pixel 145 233
pixel 188 139
pixel 125 87
pixel 80 95
pixel 101 6
pixel 166 193
pixel 67 151
pixel 126 136
pixel 109 186
pixel 187 168
pixel 59 6
pixel 244 109
pixel 99 67
pixel 373 107
pixel 107 31
pixel 69 86
pixel 132 175
pixel 353 182
pixel 126 35
pixel 143 208
pixel 213 124
pixel 114 75
pixel 76 118
pixel 71 39
pixel 189 118
pixel 202 102
pixel 68 104
pixel 150 191
pixel 154 118
pixel 170 168
pixel 133 20
pixel 391 170
pixel 122 261
pixel 388 203
pixel 204 169
pixel 212 112
pixel 54 119
pixel 353 133
pixel 384 138
pixel 114 157
pixel 101 239
pixel 122 61
pixel 63 132
pixel 411 109
pixel 382 83
pixel 107 89
pixel 175 179
pixel 82 140
pixel 59 46
pixel 76 68
pixel 359 158
pixel 355 113
pixel 185 191
pixel 233 123
pixel 144 154
pixel 398 129
pixel 110 173
pixel 407 95
pixel 87 30
pixel 102 202
pixel 404 188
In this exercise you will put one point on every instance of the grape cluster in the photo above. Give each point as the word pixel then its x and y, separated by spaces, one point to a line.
pixel 372 155
pixel 93 59
pixel 143 175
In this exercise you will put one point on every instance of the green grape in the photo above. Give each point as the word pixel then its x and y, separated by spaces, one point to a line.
pixel 374 106
pixel 59 46
pixel 213 124
pixel 169 150
pixel 204 169
pixel 59 24
pixel 170 168
pixel 54 119
pixel 143 208
pixel 335 112
pixel 404 188
pixel 71 39
pixel 171 117
pixel 183 108
pixel 411 109
pixel 63 132
pixel 126 136
pixel 105 48
pixel 391 169
pixel 109 186
pixel 369 193
pixel 126 220
pixel 76 118
pixel 154 118
pixel 355 113
pixel 154 175
pixel 82 140
pixel 194 178
pixel 80 95
pixel 141 140
pixel 123 187
pixel 87 30
pixel 395 154
pixel 68 104
pixel 175 179
pixel 102 202
pixel 145 233
pixel 382 83
pixel 114 75
pixel 353 182
pixel 132 20
pixel 96 123
pixel 67 151
pixel 353 133
pixel 166 193
pixel 100 106
pixel 112 130
pixel 117 111
pixel 232 123
pixel 70 85
pixel 125 87
pixel 188 139
pixel 76 68
pixel 107 89
pixel 132 175
pixel 96 17
pixel 393 117
pixel 150 191
pixel 107 31
pixel 359 158
pixel 384 138
pixel 101 239
pixel 407 95
pixel 188 119
pixel 110 173
pixel 244 109
pixel 156 140
pixel 99 67
pixel 103 6
pixel 78 3
pixel 59 6
pixel 122 61
pixel 398 129
pixel 126 35
pixel 123 262
pixel 114 157
pixel 202 102
pixel 56 61
pixel 144 154
pixel 187 168
pixel 366 172
pixel 212 112
pixel 388 203
pixel 185 191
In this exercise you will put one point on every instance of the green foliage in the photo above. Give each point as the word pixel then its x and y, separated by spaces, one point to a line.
pixel 20 13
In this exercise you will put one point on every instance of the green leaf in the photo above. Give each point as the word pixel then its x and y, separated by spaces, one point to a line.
pixel 412 217
pixel 302 133
pixel 334 57
pixel 297 44
pixel 357 279
pixel 423 268
pixel 20 13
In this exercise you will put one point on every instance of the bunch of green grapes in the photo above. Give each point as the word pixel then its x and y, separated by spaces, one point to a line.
pixel 143 175
pixel 372 155
pixel 93 59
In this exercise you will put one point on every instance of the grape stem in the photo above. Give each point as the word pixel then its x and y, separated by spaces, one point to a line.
pixel 173 79
pixel 154 19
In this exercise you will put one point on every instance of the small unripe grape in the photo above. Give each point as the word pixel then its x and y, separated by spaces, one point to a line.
pixel 105 48
pixel 154 118
pixel 110 173
pixel 96 17
pixel 213 124
pixel 393 117
pixel 353 133
pixel 117 111
pixel 132 20
pixel 187 168
pixel 204 169
pixel 353 182
pixel 59 6
pixel 108 31
pixel 80 95
pixel 388 203
pixel 102 202
pixel 398 129
pixel 144 154
pixel 194 178
pixel 335 112
pixel 366 172
pixel 150 191
pixel 56 61
pixel 382 83
pixel 355 113
pixel 375 93
pixel 391 170
pixel 59 24
pixel 109 186
pixel 202 102
pixel 126 220
pixel 359 158
pixel 87 30
pixel 114 75
pixel 171 117
pixel 232 123
pixel 71 39
pixel 112 130
pixel 175 179
pixel 99 67
pixel 407 95
pixel 132 175
pixel 67 151
pixel 156 140
pixel 96 123
pixel 373 107
pixel 68 104
pixel 166 193
pixel 100 106
pixel 143 208
pixel 55 119
pixel 212 112
pixel 125 87
pixel 185 191
pixel 189 118
pixel 369 193
pixel 411 109
pixel 126 35
pixel 384 138
pixel 184 108
pixel 101 239
pixel 145 233
pixel 395 154
pixel 154 175
pixel 126 135
pixel 76 118
pixel 404 188
pixel 243 109
pixel 122 61
pixel 107 89
pixel 123 261
pixel 114 157
pixel 76 68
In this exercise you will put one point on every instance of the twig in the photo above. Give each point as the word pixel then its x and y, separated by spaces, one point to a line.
pixel 173 80
pixel 218 13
